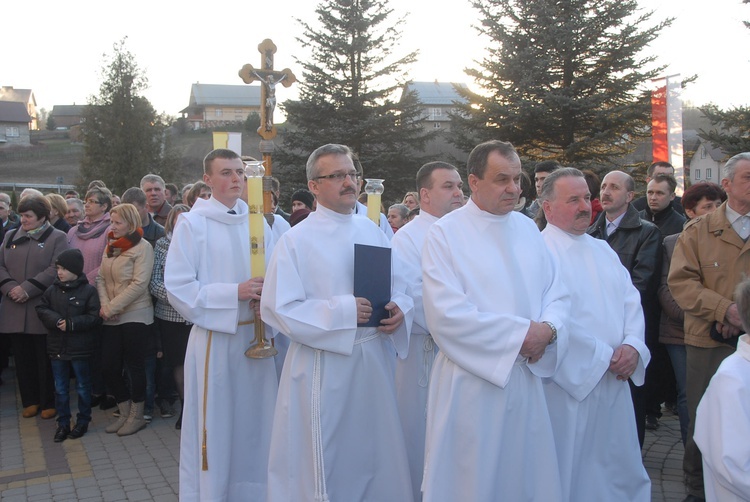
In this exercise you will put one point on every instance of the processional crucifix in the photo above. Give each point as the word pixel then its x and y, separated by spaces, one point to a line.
pixel 269 78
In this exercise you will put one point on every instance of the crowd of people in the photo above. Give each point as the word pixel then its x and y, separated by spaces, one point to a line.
pixel 506 363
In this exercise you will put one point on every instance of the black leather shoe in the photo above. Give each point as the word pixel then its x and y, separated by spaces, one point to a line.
pixel 96 400
pixel 107 403
pixel 178 424
pixel 78 431
pixel 62 433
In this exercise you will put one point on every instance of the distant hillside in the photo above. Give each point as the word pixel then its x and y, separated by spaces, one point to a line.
pixel 52 154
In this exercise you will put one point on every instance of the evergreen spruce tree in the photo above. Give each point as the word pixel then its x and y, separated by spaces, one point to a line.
pixel 123 136
pixel 563 80
pixel 51 124
pixel 349 94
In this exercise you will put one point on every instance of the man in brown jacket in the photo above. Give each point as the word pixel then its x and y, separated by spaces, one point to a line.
pixel 710 258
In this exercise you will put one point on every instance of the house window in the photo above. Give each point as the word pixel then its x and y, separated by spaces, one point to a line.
pixel 436 125
pixel 703 152
pixel 435 113
pixel 697 174
pixel 708 173
pixel 219 112
pixel 12 132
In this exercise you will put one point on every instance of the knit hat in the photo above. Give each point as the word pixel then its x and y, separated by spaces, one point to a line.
pixel 71 260
pixel 304 196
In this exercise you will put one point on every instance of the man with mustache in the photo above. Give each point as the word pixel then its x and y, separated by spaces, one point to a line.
pixel 594 426
pixel 637 243
pixel 493 302
pixel 336 431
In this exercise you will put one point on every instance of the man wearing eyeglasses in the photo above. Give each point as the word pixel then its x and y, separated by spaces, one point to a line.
pixel 337 433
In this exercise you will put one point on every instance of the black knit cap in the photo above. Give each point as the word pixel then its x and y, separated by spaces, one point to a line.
pixel 304 196
pixel 71 260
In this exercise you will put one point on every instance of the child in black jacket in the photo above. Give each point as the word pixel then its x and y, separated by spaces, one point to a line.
pixel 70 312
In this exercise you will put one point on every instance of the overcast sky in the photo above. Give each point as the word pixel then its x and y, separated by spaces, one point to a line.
pixel 56 48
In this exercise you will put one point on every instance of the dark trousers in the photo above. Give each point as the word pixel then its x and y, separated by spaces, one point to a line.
pixel 660 380
pixel 701 366
pixel 61 372
pixel 123 346
pixel 33 370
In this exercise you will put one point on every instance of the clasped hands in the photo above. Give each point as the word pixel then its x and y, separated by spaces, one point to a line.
pixel 18 294
pixel 387 325
pixel 732 325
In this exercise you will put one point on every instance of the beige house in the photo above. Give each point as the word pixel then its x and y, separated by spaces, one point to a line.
pixel 14 124
pixel 214 105
pixel 25 96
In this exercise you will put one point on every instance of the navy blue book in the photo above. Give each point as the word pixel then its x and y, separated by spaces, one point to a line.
pixel 372 279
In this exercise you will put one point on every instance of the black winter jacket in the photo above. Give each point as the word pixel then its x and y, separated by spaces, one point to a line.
pixel 78 303
pixel 637 243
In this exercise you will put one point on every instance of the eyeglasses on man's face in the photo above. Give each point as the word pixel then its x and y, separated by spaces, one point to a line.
pixel 93 201
pixel 339 177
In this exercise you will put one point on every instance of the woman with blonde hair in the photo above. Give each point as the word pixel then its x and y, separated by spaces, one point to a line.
pixel 411 200
pixel 58 210
pixel 126 309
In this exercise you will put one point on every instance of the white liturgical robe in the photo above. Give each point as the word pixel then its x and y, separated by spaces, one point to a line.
pixel 591 410
pixel 489 436
pixel 413 372
pixel 722 429
pixel 208 257
pixel 336 428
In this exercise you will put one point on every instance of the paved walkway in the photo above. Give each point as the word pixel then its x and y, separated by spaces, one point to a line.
pixel 144 466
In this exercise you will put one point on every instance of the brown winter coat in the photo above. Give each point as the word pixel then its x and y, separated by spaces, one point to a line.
pixel 29 262
pixel 709 261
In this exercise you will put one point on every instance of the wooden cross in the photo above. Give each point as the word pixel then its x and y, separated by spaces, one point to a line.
pixel 269 78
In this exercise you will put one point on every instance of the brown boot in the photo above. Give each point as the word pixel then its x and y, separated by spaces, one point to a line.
pixel 135 420
pixel 124 408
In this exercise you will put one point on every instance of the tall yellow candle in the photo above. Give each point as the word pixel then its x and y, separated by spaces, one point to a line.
pixel 255 218
pixel 374 189
pixel 373 207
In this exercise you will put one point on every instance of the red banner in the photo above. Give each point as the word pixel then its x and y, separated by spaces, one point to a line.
pixel 660 149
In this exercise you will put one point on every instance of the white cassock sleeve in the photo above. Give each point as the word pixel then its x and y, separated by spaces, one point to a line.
pixel 321 323
pixel 722 431
pixel 409 260
pixel 483 342
pixel 213 306
pixel 399 295
pixel 635 329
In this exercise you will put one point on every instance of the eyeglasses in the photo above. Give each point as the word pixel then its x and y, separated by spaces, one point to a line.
pixel 92 201
pixel 354 175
